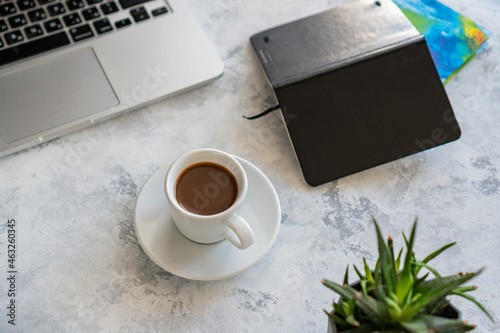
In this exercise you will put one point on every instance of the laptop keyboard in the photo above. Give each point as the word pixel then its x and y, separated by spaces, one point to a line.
pixel 30 27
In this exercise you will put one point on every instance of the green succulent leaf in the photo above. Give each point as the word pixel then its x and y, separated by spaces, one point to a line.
pixel 445 284
pixel 352 321
pixel 432 270
pixel 436 289
pixel 406 277
pixel 344 291
pixel 398 259
pixel 390 247
pixel 394 309
pixel 348 307
pixel 405 284
pixel 346 276
pixel 464 289
pixel 435 254
pixel 361 276
pixel 408 299
pixel 376 310
pixel 420 280
pixel 425 323
pixel 387 264
pixel 378 286
pixel 337 319
pixel 368 271
pixel 367 304
pixel 364 287
pixel 415 326
pixel 475 301
pixel 339 309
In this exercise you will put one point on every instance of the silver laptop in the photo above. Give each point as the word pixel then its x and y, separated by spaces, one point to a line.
pixel 65 65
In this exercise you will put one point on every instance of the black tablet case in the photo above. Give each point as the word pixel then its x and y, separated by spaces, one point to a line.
pixel 357 88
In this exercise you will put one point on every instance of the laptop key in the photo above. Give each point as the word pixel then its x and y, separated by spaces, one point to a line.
pixel 44 2
pixel 102 26
pixel 13 37
pixel 159 11
pixel 109 7
pixel 17 21
pixel 82 32
pixel 1 43
pixel 25 4
pixel 3 25
pixel 93 2
pixel 139 14
pixel 131 3
pixel 7 9
pixel 72 19
pixel 53 25
pixel 91 13
pixel 122 23
pixel 56 9
pixel 34 47
pixel 74 4
pixel 33 31
pixel 37 15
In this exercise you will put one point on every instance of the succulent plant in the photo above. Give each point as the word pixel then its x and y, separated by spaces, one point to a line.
pixel 392 298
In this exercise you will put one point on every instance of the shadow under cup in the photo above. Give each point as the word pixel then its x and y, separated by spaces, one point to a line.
pixel 199 224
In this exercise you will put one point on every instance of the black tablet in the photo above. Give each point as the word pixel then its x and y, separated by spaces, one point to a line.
pixel 357 87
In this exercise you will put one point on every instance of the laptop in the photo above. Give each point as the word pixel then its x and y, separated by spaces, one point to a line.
pixel 65 65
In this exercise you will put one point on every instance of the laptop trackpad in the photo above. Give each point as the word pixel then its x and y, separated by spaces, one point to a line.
pixel 53 93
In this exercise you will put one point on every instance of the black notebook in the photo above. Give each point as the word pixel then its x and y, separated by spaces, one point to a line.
pixel 357 88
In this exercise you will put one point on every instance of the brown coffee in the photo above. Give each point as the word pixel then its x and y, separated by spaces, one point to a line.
pixel 206 188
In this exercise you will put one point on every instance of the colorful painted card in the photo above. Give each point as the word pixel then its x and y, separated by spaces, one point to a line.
pixel 453 39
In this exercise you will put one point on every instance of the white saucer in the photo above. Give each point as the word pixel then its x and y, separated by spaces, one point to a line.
pixel 170 250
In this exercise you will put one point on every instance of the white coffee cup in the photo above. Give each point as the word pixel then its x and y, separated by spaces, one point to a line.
pixel 208 229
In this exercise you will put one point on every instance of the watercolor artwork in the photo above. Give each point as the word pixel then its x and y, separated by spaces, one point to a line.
pixel 453 39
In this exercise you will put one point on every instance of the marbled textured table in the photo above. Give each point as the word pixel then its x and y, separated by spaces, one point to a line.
pixel 80 267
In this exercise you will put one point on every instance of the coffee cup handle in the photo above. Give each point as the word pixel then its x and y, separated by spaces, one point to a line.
pixel 242 235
